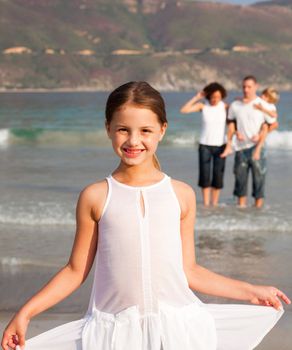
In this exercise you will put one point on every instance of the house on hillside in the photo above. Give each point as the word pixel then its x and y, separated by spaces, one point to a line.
pixel 17 50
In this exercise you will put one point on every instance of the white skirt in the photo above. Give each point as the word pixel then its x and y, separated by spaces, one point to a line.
pixel 192 327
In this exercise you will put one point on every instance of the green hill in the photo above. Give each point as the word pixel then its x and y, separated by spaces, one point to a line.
pixel 175 44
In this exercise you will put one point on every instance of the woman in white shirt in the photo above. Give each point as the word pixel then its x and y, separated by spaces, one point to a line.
pixel 212 139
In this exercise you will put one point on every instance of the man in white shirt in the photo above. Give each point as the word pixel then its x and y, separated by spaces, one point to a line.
pixel 246 120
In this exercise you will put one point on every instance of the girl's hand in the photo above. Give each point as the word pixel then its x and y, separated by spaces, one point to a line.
pixel 258 106
pixel 14 333
pixel 269 296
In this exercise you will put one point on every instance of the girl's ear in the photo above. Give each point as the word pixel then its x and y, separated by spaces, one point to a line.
pixel 107 128
pixel 163 130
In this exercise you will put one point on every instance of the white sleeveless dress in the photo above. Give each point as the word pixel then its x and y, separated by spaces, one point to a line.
pixel 140 297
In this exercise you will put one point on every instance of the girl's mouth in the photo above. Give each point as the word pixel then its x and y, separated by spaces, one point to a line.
pixel 132 153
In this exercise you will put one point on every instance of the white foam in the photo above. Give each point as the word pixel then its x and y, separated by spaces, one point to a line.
pixel 36 214
pixel 186 138
pixel 275 140
pixel 247 223
pixel 14 262
pixel 226 220
pixel 4 137
pixel 279 140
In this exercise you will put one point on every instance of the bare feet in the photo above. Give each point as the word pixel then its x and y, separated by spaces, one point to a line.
pixel 241 206
pixel 206 191
pixel 228 150
pixel 215 194
pixel 242 202
pixel 259 202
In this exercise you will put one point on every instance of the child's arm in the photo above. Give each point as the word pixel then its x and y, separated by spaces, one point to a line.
pixel 193 105
pixel 269 112
pixel 71 276
pixel 201 279
pixel 261 138
pixel 260 142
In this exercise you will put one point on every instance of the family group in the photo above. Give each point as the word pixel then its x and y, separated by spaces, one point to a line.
pixel 248 119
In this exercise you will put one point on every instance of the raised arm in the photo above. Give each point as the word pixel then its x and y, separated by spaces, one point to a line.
pixel 205 281
pixel 72 275
pixel 193 105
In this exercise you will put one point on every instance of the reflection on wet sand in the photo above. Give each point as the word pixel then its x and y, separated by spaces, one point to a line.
pixel 240 247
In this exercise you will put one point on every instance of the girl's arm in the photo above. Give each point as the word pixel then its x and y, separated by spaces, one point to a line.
pixel 205 281
pixel 270 113
pixel 71 276
pixel 193 105
pixel 261 138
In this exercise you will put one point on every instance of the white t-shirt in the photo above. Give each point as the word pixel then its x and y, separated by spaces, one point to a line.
pixel 248 120
pixel 270 107
pixel 213 124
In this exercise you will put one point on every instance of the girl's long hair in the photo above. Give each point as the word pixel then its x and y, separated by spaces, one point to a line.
pixel 139 93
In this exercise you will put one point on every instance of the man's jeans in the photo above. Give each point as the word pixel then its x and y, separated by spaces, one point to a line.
pixel 243 162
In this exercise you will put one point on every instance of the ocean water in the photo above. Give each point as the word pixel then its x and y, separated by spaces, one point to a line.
pixel 53 144
pixel 68 119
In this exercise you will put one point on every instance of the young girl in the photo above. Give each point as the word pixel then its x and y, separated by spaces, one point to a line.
pixel 139 223
pixel 212 139
pixel 271 98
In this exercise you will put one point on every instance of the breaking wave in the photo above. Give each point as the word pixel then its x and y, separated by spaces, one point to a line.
pixel 275 140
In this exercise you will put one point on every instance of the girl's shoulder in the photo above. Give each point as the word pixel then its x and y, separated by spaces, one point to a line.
pixel 93 196
pixel 185 194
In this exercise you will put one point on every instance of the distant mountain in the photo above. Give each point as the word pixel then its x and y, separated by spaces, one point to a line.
pixel 98 44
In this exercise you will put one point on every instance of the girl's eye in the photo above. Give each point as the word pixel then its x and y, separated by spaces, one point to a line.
pixel 146 130
pixel 122 130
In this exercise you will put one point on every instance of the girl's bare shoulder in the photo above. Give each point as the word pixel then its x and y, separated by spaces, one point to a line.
pixel 96 188
pixel 185 194
pixel 94 196
pixel 182 187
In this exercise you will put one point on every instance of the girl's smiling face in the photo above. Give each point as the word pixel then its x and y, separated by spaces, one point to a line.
pixel 135 133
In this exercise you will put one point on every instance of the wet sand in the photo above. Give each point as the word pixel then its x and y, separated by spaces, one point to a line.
pixel 222 254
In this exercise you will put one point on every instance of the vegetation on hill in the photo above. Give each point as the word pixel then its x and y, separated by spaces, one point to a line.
pixel 173 44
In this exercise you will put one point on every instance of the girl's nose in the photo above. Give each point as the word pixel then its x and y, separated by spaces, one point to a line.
pixel 133 139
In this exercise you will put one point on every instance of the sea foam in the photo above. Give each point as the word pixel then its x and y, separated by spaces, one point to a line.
pixel 4 137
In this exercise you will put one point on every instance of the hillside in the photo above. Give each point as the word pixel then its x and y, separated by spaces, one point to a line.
pixel 97 44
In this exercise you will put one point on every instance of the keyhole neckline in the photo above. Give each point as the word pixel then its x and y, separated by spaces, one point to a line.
pixel 139 187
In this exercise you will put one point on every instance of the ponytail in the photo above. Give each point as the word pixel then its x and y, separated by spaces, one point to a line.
pixel 156 162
